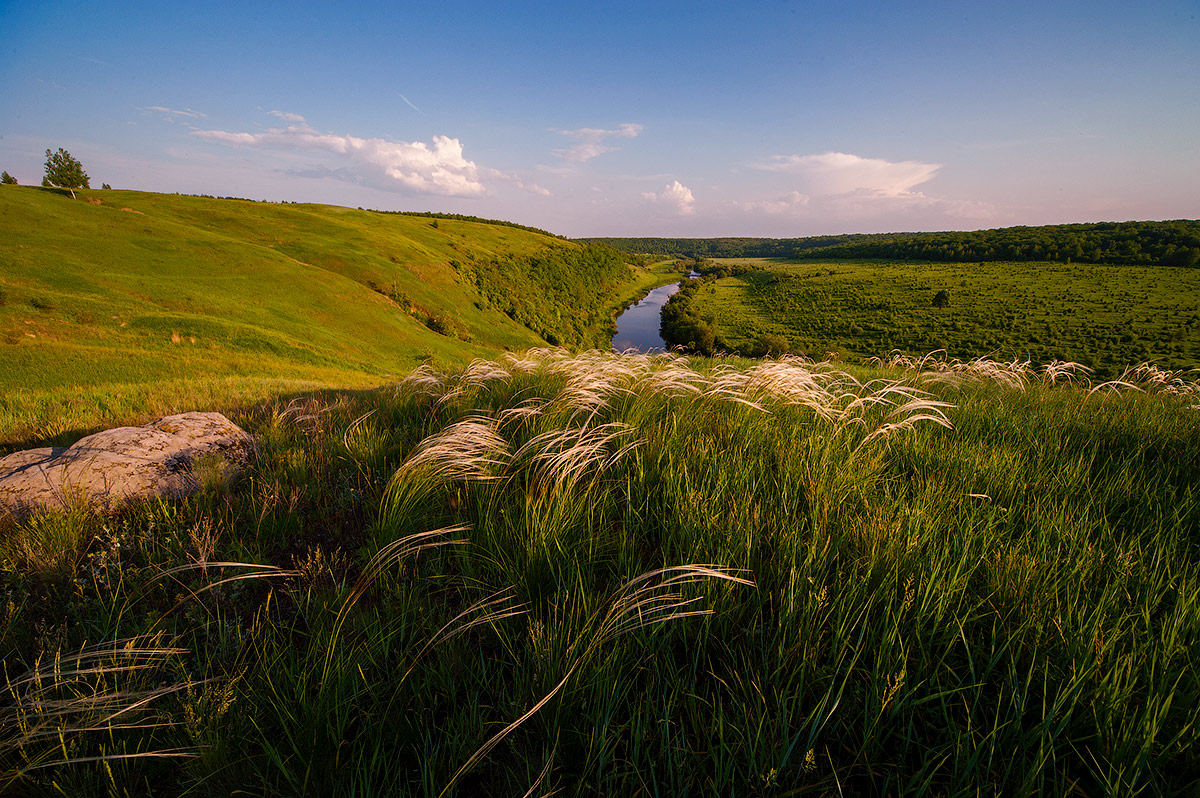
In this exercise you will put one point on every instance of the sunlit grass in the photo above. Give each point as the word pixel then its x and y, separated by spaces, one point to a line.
pixel 629 574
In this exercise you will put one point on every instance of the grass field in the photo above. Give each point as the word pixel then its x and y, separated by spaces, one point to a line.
pixel 449 570
pixel 1106 317
pixel 633 575
pixel 124 286
pixel 130 298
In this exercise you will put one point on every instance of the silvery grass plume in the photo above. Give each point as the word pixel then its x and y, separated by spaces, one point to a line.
pixel 563 457
pixel 423 381
pixel 650 600
pixel 1154 379
pixel 480 374
pixel 67 696
pixel 468 450
pixel 524 413
pixel 935 367
pixel 1065 370
pixel 834 396
pixel 471 450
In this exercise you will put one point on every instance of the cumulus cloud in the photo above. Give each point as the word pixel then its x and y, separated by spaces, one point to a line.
pixel 413 165
pixel 675 196
pixel 591 141
pixel 834 173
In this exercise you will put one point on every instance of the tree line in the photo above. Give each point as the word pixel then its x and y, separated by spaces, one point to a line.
pixel 1169 243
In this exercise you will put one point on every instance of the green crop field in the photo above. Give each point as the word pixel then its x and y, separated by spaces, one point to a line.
pixel 1105 317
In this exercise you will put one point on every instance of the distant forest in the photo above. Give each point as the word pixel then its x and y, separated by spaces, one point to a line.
pixel 1173 243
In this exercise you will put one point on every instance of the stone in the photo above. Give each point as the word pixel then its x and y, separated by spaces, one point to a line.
pixel 123 465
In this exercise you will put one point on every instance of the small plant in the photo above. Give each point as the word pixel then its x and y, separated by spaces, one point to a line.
pixel 772 345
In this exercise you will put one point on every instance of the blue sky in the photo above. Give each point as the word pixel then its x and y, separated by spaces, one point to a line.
pixel 766 118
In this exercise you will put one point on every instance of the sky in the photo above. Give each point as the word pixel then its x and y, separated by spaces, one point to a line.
pixel 757 118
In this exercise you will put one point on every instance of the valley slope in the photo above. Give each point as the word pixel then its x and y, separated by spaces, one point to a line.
pixel 141 300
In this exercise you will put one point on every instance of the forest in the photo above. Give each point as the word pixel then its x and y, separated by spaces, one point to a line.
pixel 554 292
pixel 1168 243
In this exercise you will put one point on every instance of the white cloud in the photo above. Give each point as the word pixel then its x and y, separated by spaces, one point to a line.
pixel 414 165
pixel 532 188
pixel 786 204
pixel 834 173
pixel 409 103
pixel 286 117
pixel 171 114
pixel 591 141
pixel 677 196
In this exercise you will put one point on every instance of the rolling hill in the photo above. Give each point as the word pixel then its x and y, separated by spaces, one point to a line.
pixel 129 287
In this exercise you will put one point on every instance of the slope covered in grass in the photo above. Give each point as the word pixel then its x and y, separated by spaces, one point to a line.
pixel 606 574
pixel 130 287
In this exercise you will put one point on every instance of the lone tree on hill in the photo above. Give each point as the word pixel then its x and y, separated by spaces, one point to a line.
pixel 7 180
pixel 63 171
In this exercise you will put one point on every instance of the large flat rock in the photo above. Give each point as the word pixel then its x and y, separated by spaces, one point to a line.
pixel 121 465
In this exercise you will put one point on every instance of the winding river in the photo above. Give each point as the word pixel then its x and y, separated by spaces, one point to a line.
pixel 637 327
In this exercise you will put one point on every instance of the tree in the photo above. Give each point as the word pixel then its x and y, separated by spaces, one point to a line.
pixel 7 180
pixel 63 171
pixel 941 299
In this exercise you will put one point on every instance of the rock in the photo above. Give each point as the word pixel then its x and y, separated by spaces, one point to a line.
pixel 123 465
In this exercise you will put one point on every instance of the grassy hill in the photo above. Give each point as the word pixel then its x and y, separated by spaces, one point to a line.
pixel 120 290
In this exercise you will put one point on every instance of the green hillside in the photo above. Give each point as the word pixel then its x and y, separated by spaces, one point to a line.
pixel 134 288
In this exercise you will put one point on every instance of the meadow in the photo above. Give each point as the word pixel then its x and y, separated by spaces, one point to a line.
pixel 121 302
pixel 462 563
pixel 623 574
pixel 1103 316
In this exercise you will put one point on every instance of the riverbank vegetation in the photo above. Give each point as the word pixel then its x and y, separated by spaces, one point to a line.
pixel 623 574
pixel 1104 317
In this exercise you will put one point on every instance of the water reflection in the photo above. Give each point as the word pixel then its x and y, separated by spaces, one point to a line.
pixel 637 327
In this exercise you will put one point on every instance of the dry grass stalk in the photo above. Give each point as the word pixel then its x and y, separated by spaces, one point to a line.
pixel 79 693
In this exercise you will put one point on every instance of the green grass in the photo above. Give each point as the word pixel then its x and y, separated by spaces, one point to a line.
pixel 124 287
pixel 481 581
pixel 1105 317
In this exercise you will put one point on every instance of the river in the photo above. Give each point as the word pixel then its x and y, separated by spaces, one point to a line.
pixel 637 327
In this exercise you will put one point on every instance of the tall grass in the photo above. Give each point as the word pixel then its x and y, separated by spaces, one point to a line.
pixel 630 574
